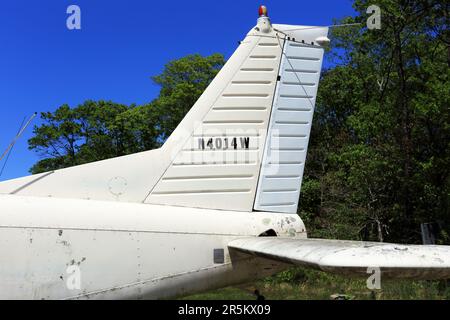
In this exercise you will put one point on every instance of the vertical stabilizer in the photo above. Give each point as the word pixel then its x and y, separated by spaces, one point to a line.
pixel 218 148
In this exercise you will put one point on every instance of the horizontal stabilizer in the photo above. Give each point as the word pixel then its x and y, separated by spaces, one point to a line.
pixel 353 258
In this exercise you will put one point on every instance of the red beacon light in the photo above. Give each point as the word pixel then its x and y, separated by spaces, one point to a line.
pixel 263 11
pixel 264 24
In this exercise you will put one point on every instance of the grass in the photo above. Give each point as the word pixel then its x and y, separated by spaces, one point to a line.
pixel 299 284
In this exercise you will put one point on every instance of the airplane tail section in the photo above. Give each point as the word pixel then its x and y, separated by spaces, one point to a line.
pixel 248 152
pixel 218 160
pixel 241 147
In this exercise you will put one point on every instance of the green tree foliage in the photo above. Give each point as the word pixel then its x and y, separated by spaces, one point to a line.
pixel 182 82
pixel 379 161
pixel 97 130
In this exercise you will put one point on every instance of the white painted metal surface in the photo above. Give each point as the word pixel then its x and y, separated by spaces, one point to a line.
pixel 353 258
pixel 123 179
pixel 290 125
pixel 125 250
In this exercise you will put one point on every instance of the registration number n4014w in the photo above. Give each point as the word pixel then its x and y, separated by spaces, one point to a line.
pixel 224 143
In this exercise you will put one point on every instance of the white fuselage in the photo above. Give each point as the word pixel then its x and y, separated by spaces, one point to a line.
pixel 80 249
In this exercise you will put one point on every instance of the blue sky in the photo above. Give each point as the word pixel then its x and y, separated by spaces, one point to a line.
pixel 120 46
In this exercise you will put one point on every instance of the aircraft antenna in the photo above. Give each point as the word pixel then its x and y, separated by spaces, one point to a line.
pixel 8 150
